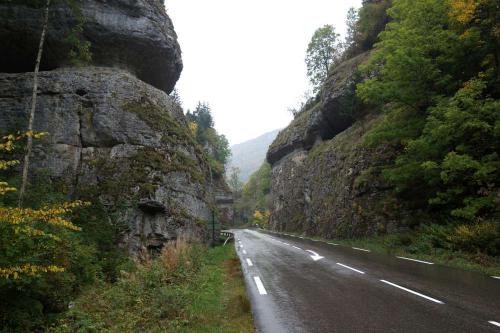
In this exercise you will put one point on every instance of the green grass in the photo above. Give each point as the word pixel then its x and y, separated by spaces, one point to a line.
pixel 467 261
pixel 221 306
pixel 191 289
pixel 407 245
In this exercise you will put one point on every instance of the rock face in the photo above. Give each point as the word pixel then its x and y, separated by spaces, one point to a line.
pixel 117 138
pixel 135 35
pixel 324 180
pixel 331 114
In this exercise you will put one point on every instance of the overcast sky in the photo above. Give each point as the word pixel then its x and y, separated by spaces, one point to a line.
pixel 246 57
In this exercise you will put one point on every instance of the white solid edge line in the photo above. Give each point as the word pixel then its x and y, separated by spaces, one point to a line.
pixel 420 261
pixel 496 277
pixel 360 249
pixel 413 292
pixel 494 323
pixel 352 269
pixel 296 247
pixel 249 262
pixel 260 286
pixel 244 251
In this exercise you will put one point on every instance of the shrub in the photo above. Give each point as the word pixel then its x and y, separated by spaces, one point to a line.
pixel 478 237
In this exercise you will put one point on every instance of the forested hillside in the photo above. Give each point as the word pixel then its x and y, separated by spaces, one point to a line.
pixel 402 139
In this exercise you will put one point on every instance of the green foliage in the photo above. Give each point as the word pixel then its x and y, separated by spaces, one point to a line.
pixel 258 187
pixel 79 49
pixel 216 146
pixel 234 182
pixel 202 116
pixel 416 59
pixel 473 246
pixel 477 237
pixel 185 289
pixel 435 66
pixel 364 26
pixel 87 256
pixel 255 194
pixel 323 50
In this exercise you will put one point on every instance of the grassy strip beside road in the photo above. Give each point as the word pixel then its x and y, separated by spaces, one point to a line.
pixel 420 246
pixel 384 244
pixel 188 288
pixel 222 306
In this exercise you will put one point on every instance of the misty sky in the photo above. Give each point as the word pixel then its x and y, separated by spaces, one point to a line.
pixel 246 57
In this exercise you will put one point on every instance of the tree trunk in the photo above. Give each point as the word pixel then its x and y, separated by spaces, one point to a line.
pixel 29 145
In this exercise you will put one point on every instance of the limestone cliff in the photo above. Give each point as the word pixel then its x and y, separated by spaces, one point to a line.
pixel 135 35
pixel 114 138
pixel 321 166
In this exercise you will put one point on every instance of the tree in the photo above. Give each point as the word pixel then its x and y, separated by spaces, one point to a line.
pixel 323 50
pixel 352 27
pixel 32 241
pixel 176 97
pixel 78 54
pixel 435 72
pixel 29 145
pixel 217 146
pixel 202 115
pixel 234 181
pixel 372 20
pixel 306 101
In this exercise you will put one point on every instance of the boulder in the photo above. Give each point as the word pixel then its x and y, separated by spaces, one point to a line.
pixel 134 35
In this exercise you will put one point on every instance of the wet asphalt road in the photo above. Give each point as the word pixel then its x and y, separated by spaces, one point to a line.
pixel 341 289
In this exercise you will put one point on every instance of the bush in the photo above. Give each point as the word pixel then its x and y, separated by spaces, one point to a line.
pixel 155 294
pixel 478 237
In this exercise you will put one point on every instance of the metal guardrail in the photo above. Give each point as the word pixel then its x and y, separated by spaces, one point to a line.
pixel 228 234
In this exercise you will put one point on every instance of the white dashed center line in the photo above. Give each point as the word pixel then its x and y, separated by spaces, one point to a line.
pixel 412 292
pixel 420 261
pixel 352 269
pixel 244 251
pixel 296 247
pixel 333 244
pixel 286 243
pixel 494 323
pixel 359 249
pixel 249 262
pixel 496 277
pixel 259 285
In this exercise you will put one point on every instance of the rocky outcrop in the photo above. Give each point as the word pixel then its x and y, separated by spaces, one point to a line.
pixel 332 113
pixel 135 35
pixel 325 180
pixel 115 138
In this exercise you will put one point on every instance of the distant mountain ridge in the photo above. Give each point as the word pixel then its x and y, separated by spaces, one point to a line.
pixel 248 156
